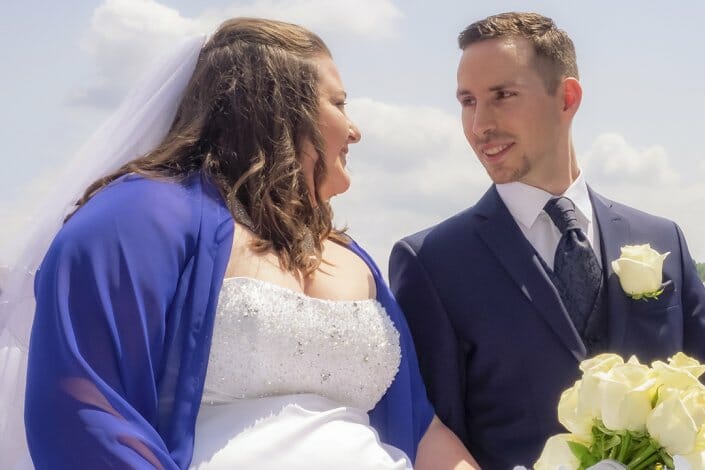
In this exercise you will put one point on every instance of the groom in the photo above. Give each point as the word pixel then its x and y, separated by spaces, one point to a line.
pixel 507 297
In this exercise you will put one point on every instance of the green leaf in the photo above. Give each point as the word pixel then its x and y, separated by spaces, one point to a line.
pixel 578 450
pixel 612 441
pixel 667 459
pixel 625 447
pixel 638 445
pixel 654 400
pixel 583 454
pixel 599 428
pixel 646 296
pixel 642 456
pixel 650 462
pixel 613 453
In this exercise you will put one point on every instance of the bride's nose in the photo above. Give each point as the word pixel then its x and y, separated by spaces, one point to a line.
pixel 354 134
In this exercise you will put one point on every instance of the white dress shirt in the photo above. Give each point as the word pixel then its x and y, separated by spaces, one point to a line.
pixel 525 203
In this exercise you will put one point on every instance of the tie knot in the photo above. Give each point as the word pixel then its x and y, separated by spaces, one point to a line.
pixel 561 210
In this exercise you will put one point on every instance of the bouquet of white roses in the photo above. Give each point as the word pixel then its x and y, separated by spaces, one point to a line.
pixel 644 417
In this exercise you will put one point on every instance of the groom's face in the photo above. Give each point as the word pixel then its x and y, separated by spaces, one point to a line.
pixel 510 119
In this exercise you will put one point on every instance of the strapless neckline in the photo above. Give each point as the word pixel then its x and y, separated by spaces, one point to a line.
pixel 287 290
pixel 271 340
pixel 291 378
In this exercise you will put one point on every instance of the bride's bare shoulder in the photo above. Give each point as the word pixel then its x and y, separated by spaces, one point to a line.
pixel 342 275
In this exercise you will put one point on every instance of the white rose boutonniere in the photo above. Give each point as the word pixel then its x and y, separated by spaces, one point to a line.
pixel 639 269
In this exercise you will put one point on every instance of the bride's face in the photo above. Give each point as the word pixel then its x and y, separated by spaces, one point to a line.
pixel 337 131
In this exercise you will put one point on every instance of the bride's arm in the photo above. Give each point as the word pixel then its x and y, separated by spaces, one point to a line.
pixel 103 293
pixel 440 449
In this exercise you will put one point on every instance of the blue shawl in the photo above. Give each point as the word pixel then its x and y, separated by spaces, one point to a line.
pixel 126 300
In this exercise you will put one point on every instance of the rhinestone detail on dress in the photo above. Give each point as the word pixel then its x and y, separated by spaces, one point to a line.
pixel 269 340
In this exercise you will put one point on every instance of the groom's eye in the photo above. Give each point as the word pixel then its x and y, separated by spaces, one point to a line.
pixel 504 94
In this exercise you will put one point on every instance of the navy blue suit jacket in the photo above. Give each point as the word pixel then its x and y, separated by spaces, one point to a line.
pixel 495 344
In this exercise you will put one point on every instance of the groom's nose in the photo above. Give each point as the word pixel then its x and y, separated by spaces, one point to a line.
pixel 483 120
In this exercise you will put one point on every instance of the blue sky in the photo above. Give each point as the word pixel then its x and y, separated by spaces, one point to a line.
pixel 638 133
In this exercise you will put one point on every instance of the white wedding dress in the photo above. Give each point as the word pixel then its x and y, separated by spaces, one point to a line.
pixel 290 380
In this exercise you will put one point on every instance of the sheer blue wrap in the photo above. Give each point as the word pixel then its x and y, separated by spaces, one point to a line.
pixel 126 299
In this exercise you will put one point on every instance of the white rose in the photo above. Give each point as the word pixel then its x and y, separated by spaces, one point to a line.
pixel 639 269
pixel 570 415
pixel 557 455
pixel 687 363
pixel 588 393
pixel 673 425
pixel 601 363
pixel 694 401
pixel 675 378
pixel 694 460
pixel 625 393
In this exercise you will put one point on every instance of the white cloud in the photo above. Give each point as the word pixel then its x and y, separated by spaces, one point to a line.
pixel 21 214
pixel 611 158
pixel 645 179
pixel 372 19
pixel 412 168
pixel 682 203
pixel 125 36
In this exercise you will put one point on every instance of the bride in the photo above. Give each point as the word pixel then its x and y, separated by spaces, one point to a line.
pixel 198 309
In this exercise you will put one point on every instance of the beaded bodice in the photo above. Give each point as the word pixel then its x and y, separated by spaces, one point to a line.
pixel 269 340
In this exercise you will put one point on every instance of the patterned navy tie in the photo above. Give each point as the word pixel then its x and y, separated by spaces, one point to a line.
pixel 578 275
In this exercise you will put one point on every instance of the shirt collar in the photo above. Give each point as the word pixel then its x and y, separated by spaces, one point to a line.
pixel 525 202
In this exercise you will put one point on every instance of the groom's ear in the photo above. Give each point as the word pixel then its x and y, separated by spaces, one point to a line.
pixel 571 95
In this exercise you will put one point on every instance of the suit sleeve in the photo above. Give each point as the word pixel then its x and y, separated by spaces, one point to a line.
pixel 693 300
pixel 103 291
pixel 441 356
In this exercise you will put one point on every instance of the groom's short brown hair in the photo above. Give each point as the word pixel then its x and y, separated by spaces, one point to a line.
pixel 555 52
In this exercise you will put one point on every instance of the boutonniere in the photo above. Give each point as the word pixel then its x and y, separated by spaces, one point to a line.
pixel 640 271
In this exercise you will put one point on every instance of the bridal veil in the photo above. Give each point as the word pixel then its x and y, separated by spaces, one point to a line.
pixel 136 127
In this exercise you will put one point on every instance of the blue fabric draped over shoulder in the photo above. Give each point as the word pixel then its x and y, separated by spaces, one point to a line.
pixel 126 300
pixel 125 306
pixel 404 413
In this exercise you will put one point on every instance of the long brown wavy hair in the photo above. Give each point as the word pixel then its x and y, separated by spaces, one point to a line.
pixel 250 105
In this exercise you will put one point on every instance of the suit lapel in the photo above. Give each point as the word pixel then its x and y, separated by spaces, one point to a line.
pixel 504 238
pixel 614 233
